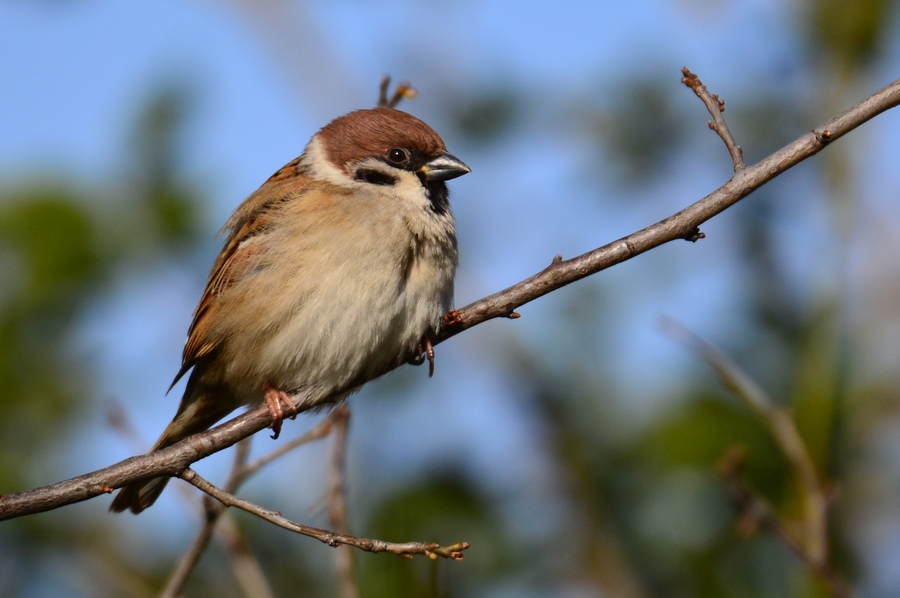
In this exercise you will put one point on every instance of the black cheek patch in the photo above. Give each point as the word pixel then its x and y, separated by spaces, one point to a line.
pixel 439 196
pixel 375 177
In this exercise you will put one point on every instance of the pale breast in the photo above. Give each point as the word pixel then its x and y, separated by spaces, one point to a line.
pixel 343 289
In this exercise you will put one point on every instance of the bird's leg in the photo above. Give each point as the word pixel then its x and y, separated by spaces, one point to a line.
pixel 424 350
pixel 276 401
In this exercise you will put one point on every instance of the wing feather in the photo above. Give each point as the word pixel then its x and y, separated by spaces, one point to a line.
pixel 252 217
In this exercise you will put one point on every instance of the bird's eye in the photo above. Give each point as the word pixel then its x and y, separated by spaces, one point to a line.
pixel 397 155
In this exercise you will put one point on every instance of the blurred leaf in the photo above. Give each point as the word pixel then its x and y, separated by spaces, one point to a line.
pixel 699 433
pixel 156 144
pixel 487 115
pixel 155 139
pixel 638 128
pixel 765 122
pixel 443 509
pixel 175 213
pixel 49 236
pixel 51 263
pixel 817 382
pixel 850 32
pixel 58 248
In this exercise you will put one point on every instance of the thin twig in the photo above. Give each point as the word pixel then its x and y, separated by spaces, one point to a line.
pixel 245 566
pixel 781 426
pixel 188 561
pixel 240 471
pixel 337 504
pixel 247 571
pixel 406 549
pixel 716 107
pixel 403 91
pixel 683 225
pixel 320 430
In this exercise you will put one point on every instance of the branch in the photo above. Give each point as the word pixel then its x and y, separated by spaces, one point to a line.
pixel 809 538
pixel 685 224
pixel 682 225
pixel 716 107
pixel 407 549
pixel 240 471
pixel 756 511
pixel 191 557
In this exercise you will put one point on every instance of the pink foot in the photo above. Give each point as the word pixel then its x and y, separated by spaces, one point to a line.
pixel 279 404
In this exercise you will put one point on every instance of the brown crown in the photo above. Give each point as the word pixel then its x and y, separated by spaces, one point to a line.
pixel 367 133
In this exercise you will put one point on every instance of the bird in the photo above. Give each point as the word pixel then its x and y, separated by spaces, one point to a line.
pixel 338 268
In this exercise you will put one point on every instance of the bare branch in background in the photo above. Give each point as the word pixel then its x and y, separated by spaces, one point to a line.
pixel 337 504
pixel 808 539
pixel 756 511
pixel 240 471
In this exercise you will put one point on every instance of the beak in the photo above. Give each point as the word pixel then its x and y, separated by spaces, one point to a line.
pixel 444 168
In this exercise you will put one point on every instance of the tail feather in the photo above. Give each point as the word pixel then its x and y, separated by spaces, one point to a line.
pixel 194 415
pixel 139 496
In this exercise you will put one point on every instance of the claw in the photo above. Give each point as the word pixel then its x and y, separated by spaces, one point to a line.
pixel 277 401
pixel 429 352
pixel 424 351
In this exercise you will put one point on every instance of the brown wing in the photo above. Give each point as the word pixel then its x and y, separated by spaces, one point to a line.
pixel 251 217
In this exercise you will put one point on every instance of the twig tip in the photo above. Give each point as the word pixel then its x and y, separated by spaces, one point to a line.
pixel 403 91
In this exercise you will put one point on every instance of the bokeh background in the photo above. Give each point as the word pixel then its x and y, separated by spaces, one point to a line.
pixel 576 447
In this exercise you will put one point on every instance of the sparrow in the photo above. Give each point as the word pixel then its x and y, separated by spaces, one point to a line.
pixel 337 268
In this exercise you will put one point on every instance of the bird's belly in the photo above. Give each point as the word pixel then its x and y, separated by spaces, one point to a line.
pixel 338 338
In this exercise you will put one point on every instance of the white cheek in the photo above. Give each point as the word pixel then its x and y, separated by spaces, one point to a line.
pixel 320 167
pixel 407 190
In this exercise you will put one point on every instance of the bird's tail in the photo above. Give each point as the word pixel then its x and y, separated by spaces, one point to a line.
pixel 196 414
